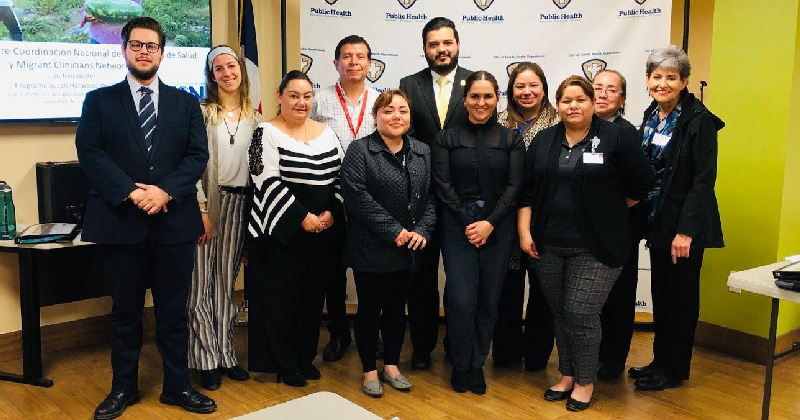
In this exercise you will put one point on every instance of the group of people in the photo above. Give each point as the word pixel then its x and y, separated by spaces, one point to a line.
pixel 385 183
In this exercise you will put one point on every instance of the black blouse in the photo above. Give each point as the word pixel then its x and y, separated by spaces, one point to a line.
pixel 456 174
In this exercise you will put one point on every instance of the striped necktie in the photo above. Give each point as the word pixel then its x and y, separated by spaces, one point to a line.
pixel 147 116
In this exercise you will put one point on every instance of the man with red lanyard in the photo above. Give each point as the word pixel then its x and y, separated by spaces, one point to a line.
pixel 346 107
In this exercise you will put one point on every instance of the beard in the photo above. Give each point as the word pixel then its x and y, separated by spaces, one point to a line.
pixel 142 74
pixel 442 68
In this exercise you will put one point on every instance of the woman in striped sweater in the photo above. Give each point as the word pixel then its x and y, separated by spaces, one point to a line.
pixel 294 227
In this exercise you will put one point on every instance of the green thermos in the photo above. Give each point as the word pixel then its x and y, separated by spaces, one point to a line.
pixel 8 223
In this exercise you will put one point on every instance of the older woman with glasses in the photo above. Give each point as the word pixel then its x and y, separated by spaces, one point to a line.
pixel 679 136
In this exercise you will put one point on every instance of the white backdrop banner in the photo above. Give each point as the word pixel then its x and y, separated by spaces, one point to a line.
pixel 564 37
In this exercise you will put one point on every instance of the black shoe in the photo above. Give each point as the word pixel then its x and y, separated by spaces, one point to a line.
pixel 610 371
pixel 575 405
pixel 115 403
pixel 477 383
pixel 210 380
pixel 459 380
pixel 553 395
pixel 336 348
pixel 190 400
pixel 641 372
pixel 421 360
pixel 293 379
pixel 657 381
pixel 310 372
pixel 237 373
pixel 379 349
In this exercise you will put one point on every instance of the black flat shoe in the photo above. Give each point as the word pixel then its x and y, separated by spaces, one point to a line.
pixel 210 380
pixel 459 380
pixel 657 381
pixel 336 348
pixel 310 372
pixel 115 403
pixel 610 371
pixel 477 382
pixel 641 372
pixel 189 400
pixel 575 405
pixel 554 396
pixel 237 373
pixel 421 360
pixel 295 379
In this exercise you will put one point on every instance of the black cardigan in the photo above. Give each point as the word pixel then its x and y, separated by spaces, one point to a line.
pixel 376 188
pixel 687 203
pixel 599 191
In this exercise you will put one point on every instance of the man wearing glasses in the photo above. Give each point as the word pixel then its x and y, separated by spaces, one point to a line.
pixel 617 316
pixel 143 146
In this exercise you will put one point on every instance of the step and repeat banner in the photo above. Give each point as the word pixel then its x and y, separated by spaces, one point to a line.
pixel 565 37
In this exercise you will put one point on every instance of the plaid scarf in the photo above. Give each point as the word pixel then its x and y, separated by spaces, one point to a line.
pixel 656 153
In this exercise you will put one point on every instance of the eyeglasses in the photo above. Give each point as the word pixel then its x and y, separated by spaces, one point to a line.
pixel 152 47
pixel 608 91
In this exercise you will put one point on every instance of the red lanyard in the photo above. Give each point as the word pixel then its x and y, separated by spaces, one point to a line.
pixel 347 114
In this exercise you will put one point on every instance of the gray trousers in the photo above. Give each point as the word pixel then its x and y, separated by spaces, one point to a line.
pixel 576 286
pixel 472 290
pixel 212 311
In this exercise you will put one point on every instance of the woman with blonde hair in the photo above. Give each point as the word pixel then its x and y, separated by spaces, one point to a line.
pixel 222 194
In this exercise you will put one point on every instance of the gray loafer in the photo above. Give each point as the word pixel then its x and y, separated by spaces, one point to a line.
pixel 399 382
pixel 373 388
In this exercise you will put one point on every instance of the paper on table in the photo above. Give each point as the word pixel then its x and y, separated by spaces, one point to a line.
pixel 793 258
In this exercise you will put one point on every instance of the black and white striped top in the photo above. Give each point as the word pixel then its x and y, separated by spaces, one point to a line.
pixel 291 179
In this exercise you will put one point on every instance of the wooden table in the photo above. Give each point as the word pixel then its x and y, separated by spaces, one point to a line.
pixel 319 405
pixel 30 304
pixel 760 280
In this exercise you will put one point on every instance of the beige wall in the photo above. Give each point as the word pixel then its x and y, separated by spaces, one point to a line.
pixel 24 144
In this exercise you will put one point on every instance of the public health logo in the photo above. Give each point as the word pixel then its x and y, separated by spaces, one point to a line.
pixel 406 3
pixel 306 62
pixel 331 2
pixel 592 67
pixel 483 4
pixel 563 3
pixel 511 67
pixel 640 1
pixel 376 70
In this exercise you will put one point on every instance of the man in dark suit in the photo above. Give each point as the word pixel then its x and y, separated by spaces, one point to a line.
pixel 143 146
pixel 437 98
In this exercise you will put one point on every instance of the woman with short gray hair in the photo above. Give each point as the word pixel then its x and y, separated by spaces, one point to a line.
pixel 679 136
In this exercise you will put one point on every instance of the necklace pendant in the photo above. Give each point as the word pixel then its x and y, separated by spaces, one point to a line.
pixel 231 139
pixel 230 114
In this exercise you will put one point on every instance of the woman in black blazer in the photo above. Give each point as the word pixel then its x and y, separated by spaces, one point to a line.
pixel 679 136
pixel 581 175
pixel 478 169
pixel 386 184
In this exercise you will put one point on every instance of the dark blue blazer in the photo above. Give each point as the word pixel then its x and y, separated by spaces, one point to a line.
pixel 111 152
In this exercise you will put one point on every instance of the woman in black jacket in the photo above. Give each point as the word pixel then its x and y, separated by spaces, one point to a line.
pixel 478 168
pixel 679 135
pixel 581 175
pixel 386 184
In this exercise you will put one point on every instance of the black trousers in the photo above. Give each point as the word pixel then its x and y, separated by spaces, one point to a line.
pixel 167 270
pixel 676 308
pixel 335 302
pixel 286 298
pixel 381 307
pixel 423 298
pixel 510 343
pixel 474 281
pixel 619 312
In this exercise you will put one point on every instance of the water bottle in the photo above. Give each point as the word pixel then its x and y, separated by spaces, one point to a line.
pixel 8 223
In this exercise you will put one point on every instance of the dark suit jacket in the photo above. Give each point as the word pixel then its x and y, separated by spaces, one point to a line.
pixel 111 152
pixel 598 190
pixel 424 116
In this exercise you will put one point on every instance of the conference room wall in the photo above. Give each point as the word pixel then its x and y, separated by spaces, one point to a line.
pixel 24 144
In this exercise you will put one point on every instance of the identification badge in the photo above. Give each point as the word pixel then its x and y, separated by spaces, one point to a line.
pixel 593 158
pixel 660 139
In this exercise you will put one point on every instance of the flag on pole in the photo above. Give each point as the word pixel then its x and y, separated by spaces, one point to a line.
pixel 249 46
